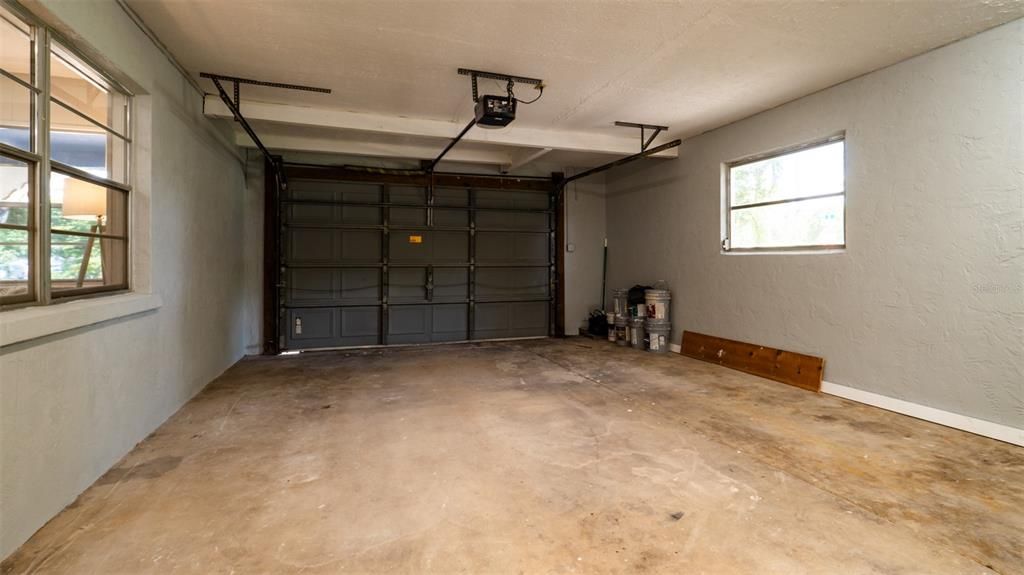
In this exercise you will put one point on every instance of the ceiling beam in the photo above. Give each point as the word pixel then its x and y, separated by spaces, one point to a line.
pixel 289 114
pixel 289 143
pixel 523 157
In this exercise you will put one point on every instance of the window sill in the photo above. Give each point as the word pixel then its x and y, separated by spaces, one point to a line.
pixel 783 252
pixel 30 323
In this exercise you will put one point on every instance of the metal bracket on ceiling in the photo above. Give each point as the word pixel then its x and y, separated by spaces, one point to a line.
pixel 234 103
pixel 508 78
pixel 645 142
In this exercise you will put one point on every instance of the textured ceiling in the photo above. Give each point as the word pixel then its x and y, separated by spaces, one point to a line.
pixel 691 65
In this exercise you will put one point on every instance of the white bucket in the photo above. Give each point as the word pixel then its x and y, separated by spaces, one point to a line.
pixel 636 332
pixel 658 335
pixel 657 301
pixel 620 297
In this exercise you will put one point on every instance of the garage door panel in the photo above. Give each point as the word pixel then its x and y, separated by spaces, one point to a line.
pixel 362 193
pixel 359 246
pixel 511 283
pixel 409 324
pixel 416 246
pixel 407 285
pixel 408 217
pixel 360 325
pixel 314 324
pixel 501 220
pixel 450 322
pixel 309 328
pixel 512 199
pixel 512 248
pixel 334 264
pixel 452 218
pixel 326 286
pixel 307 246
pixel 311 286
pixel 312 214
pixel 409 246
pixel 451 247
pixel 332 246
pixel 519 319
pixel 408 195
pixel 427 323
pixel 451 197
pixel 360 215
pixel 299 215
pixel 451 284
pixel 314 190
pixel 360 285
pixel 334 191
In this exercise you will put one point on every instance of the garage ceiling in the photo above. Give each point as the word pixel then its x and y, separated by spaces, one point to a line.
pixel 691 65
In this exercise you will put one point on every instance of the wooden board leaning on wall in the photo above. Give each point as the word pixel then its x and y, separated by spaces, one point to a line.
pixel 796 369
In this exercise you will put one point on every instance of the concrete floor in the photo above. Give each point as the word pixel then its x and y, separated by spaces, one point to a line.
pixel 549 456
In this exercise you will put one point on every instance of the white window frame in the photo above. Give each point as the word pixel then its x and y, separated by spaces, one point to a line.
pixel 42 165
pixel 728 208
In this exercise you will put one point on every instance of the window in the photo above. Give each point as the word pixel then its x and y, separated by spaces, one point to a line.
pixel 64 169
pixel 791 200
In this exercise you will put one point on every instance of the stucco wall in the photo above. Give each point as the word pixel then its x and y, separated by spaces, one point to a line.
pixel 585 231
pixel 927 302
pixel 72 404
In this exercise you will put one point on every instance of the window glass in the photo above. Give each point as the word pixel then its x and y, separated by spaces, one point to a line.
pixel 792 200
pixel 88 242
pixel 88 121
pixel 15 213
pixel 14 191
pixel 77 205
pixel 89 149
pixel 15 96
pixel 71 85
pixel 804 223
pixel 14 262
pixel 86 262
pixel 15 47
pixel 813 172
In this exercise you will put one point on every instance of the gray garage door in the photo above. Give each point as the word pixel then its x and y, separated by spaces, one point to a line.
pixel 368 264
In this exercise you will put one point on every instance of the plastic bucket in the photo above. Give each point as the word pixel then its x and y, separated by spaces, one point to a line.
pixel 620 297
pixel 658 304
pixel 610 318
pixel 620 330
pixel 636 332
pixel 658 333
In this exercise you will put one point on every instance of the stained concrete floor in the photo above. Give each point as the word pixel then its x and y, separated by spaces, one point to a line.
pixel 550 456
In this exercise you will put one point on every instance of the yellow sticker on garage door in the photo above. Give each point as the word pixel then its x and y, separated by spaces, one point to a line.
pixel 415 239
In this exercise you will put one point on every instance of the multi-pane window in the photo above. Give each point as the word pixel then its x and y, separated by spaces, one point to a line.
pixel 64 169
pixel 789 200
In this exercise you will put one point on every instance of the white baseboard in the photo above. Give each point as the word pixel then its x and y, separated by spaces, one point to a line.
pixel 675 348
pixel 949 419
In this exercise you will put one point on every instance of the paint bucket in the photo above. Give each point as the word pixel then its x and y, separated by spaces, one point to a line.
pixel 610 318
pixel 620 330
pixel 657 304
pixel 658 332
pixel 620 297
pixel 636 332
